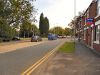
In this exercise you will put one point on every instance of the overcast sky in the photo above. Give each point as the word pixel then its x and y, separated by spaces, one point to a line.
pixel 60 12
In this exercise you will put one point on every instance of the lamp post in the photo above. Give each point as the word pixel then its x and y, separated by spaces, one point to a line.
pixel 74 20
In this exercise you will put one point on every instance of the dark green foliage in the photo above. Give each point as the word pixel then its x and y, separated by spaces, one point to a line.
pixel 43 25
pixel 1 39
pixel 6 32
pixel 60 31
pixel 13 14
pixel 57 30
pixel 46 23
pixel 21 10
pixel 68 31
pixel 28 29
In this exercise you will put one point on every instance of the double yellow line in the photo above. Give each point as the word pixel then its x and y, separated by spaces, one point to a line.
pixel 38 63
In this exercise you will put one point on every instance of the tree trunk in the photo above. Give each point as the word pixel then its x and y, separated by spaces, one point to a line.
pixel 24 34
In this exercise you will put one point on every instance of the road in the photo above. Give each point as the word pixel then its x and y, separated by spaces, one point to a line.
pixel 16 62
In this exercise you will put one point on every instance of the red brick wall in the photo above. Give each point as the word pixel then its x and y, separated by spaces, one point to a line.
pixel 90 36
pixel 83 21
pixel 87 37
pixel 93 10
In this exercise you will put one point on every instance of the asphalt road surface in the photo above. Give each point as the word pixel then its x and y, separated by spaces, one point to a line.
pixel 15 62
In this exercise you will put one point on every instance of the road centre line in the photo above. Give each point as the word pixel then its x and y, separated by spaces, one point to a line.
pixel 38 63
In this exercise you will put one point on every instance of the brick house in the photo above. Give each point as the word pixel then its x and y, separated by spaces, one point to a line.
pixel 90 34
pixel 96 43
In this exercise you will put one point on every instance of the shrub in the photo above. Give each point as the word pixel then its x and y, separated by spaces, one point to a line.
pixel 7 33
pixel 1 39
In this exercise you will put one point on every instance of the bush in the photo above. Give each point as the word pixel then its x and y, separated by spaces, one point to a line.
pixel 7 33
pixel 1 39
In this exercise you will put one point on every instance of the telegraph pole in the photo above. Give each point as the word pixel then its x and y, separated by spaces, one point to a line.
pixel 74 21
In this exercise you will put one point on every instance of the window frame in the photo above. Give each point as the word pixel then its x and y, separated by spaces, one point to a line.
pixel 97 34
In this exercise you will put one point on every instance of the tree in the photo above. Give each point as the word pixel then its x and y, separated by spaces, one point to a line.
pixel 46 24
pixel 34 30
pixel 13 14
pixel 72 26
pixel 22 10
pixel 68 31
pixel 27 29
pixel 43 25
pixel 57 30
pixel 6 32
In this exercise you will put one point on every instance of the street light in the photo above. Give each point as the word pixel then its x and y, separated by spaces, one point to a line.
pixel 74 20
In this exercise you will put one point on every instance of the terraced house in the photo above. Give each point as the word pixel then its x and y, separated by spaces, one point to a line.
pixel 88 26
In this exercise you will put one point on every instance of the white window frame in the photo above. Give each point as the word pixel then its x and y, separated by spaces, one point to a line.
pixel 97 34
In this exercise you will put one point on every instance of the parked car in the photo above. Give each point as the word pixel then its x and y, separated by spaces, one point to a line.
pixel 59 36
pixel 16 38
pixel 5 39
pixel 52 36
pixel 62 36
pixel 36 38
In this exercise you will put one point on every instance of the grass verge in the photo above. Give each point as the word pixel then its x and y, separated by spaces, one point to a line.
pixel 68 47
pixel 25 38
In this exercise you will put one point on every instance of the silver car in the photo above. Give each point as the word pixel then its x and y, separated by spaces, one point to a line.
pixel 36 38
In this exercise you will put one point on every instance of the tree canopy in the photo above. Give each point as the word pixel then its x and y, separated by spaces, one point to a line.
pixel 60 31
pixel 43 25
pixel 13 14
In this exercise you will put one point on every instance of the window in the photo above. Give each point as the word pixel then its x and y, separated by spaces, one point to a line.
pixel 96 34
pixel 98 2
pixel 98 7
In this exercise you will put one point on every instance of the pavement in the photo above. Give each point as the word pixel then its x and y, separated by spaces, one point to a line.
pixel 83 62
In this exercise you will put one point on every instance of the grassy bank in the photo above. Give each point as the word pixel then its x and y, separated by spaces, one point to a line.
pixel 67 47
pixel 25 38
